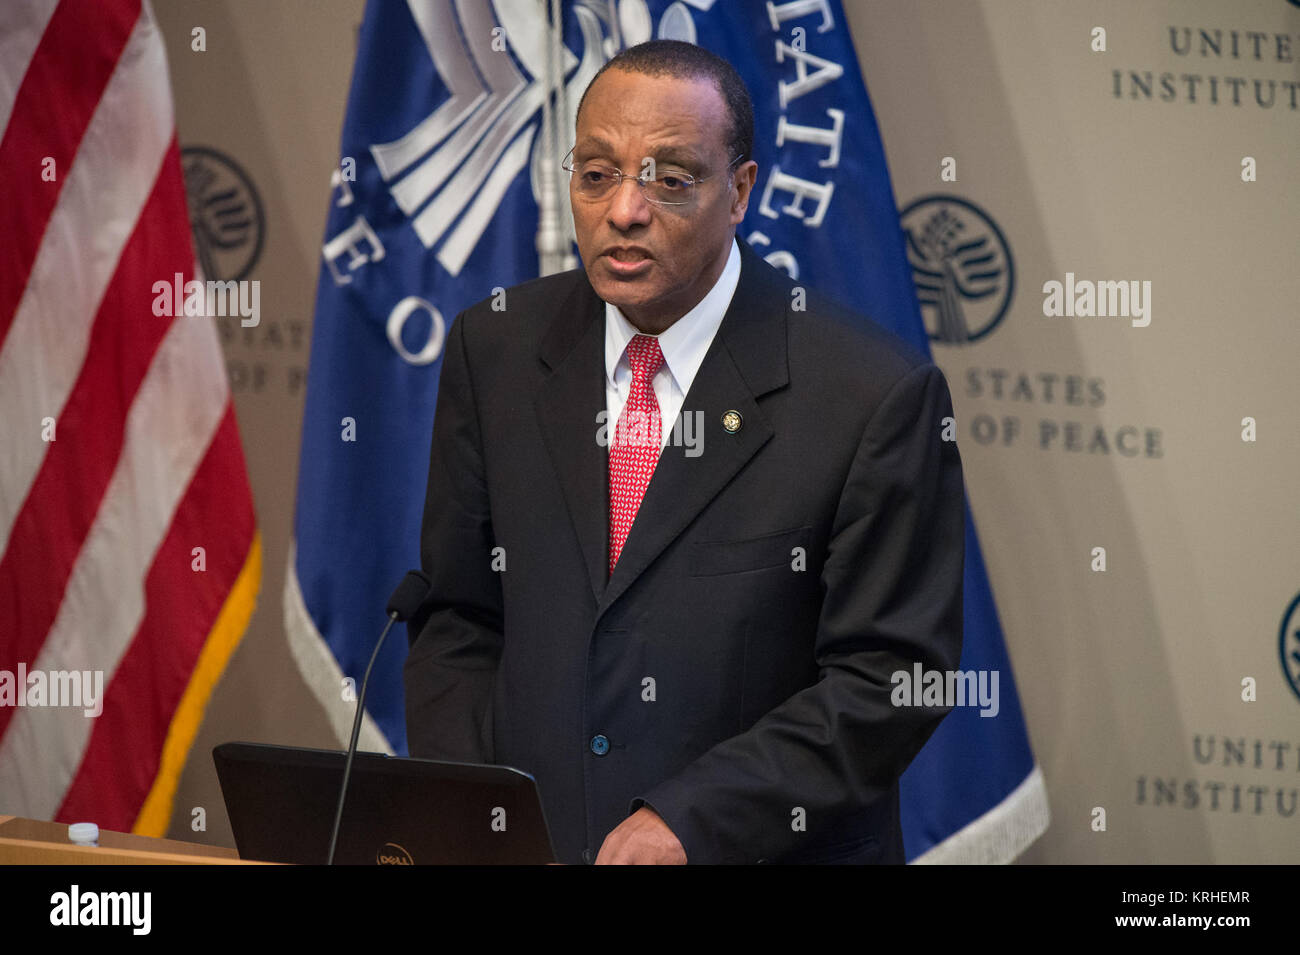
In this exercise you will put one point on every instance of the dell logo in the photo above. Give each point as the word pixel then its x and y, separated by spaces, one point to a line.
pixel 390 853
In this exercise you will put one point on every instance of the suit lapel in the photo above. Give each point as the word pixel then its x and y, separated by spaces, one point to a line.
pixel 567 405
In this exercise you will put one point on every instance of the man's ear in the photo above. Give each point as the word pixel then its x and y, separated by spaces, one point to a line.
pixel 742 185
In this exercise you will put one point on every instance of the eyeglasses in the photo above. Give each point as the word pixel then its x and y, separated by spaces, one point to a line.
pixel 670 186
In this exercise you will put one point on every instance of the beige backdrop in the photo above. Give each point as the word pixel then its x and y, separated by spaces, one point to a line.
pixel 269 92
pixel 1121 672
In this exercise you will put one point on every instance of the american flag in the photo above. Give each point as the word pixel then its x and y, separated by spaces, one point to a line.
pixel 128 544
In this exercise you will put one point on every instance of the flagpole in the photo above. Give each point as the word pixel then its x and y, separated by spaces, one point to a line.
pixel 613 26
pixel 560 122
pixel 552 247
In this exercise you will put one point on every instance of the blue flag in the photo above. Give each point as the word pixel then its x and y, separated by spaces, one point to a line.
pixel 445 158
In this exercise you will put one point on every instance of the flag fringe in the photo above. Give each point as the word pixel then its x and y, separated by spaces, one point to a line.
pixel 231 624
pixel 320 670
pixel 1002 833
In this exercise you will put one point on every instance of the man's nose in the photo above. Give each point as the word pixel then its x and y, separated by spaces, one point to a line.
pixel 628 205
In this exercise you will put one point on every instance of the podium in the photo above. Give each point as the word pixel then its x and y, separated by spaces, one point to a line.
pixel 34 842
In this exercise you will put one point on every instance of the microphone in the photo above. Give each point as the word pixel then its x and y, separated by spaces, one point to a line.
pixel 406 599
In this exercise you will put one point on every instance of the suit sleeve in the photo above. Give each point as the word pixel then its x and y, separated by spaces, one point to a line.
pixel 456 636
pixel 892 586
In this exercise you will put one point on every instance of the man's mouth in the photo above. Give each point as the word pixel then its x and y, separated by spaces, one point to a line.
pixel 628 255
pixel 627 263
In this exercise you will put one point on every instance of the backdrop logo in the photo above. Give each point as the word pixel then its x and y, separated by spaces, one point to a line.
pixel 962 267
pixel 451 171
pixel 225 212
pixel 1289 645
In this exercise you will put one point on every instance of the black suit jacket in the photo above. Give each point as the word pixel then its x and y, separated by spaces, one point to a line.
pixel 738 662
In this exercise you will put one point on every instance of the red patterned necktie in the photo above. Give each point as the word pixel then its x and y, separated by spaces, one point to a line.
pixel 637 441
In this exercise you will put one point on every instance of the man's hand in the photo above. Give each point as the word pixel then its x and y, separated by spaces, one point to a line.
pixel 641 839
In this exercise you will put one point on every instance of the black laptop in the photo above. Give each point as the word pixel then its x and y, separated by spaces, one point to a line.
pixel 281 801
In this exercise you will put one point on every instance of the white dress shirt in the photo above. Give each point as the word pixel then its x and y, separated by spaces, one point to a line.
pixel 683 345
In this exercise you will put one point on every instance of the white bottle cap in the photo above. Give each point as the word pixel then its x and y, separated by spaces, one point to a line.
pixel 84 833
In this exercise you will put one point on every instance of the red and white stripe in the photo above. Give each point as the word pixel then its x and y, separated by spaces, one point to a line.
pixel 97 526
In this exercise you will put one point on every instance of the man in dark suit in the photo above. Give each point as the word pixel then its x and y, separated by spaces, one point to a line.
pixel 691 648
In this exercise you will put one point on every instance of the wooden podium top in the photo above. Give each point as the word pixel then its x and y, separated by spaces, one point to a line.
pixel 34 842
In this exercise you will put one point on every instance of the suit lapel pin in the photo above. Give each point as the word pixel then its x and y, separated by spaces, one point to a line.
pixel 731 421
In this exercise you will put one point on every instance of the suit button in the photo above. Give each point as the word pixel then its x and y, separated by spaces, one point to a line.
pixel 599 745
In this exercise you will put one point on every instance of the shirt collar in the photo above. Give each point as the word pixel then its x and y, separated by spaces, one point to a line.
pixel 685 342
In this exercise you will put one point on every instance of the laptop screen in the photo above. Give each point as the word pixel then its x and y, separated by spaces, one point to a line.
pixel 281 802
